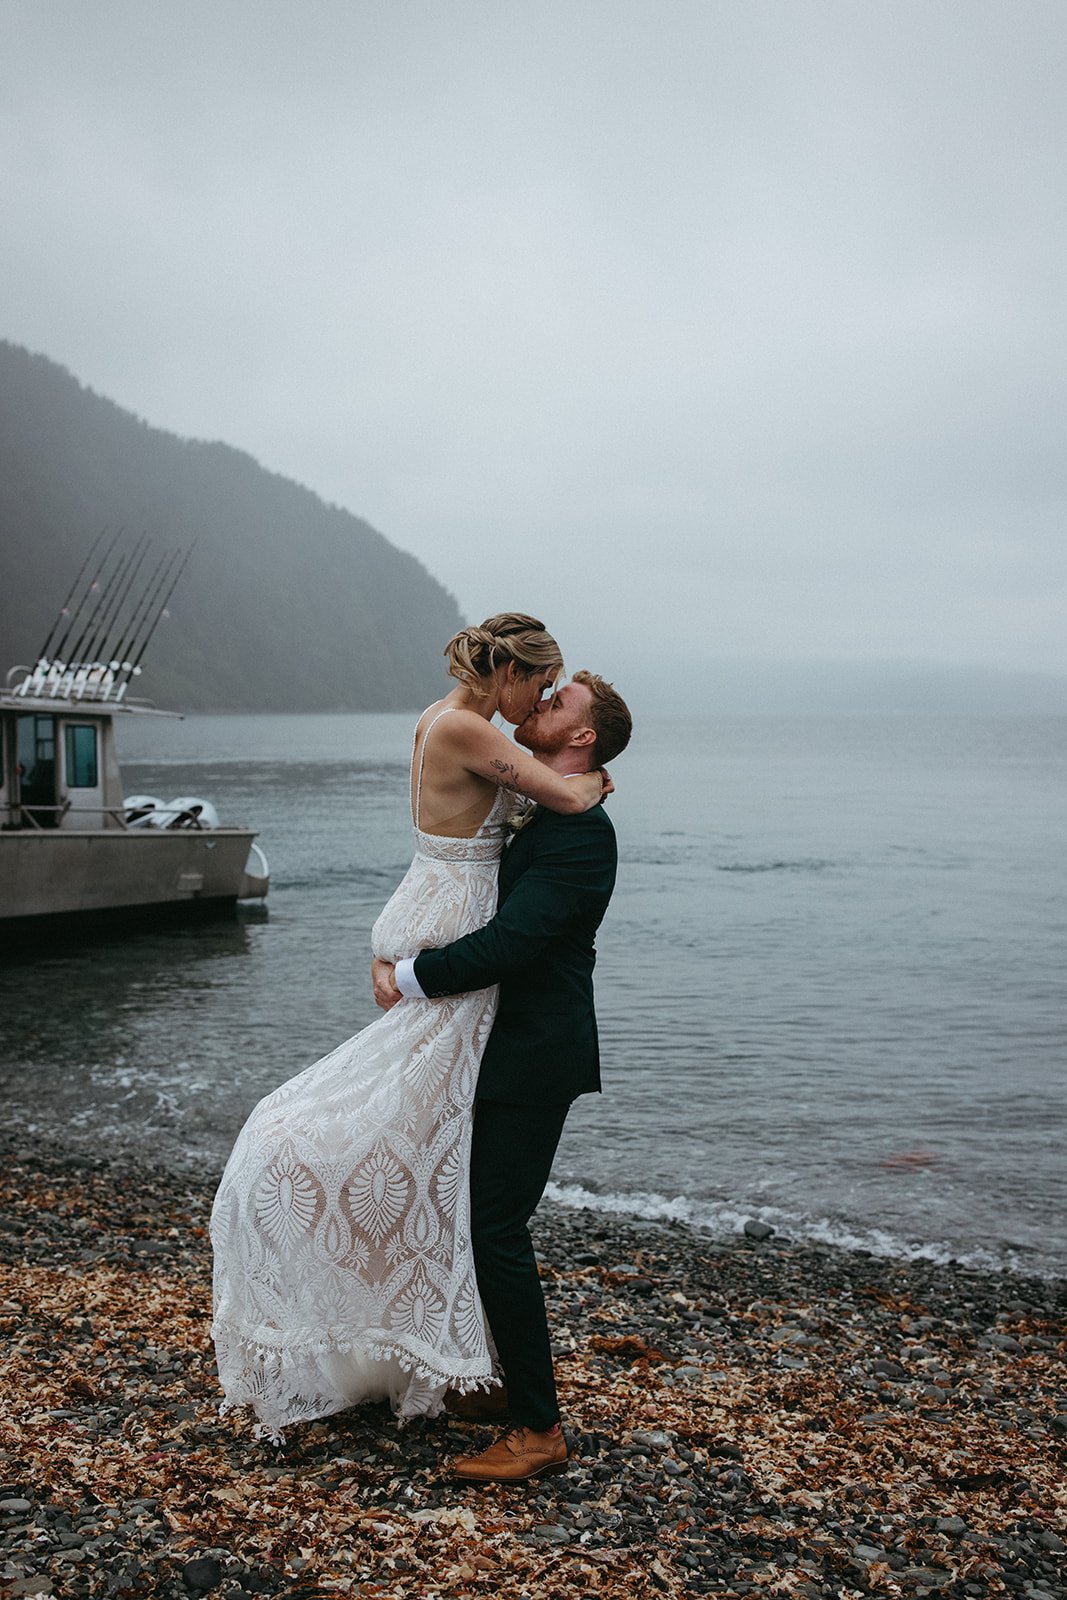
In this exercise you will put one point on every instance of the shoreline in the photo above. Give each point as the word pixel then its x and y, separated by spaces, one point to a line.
pixel 718 1221
pixel 811 1233
pixel 744 1415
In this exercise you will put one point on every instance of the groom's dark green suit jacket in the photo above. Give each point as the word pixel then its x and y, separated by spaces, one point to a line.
pixel 556 879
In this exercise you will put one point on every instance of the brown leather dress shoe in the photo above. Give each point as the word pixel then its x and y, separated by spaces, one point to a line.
pixel 520 1454
pixel 480 1405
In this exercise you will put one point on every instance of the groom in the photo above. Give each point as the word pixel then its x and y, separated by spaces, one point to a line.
pixel 556 879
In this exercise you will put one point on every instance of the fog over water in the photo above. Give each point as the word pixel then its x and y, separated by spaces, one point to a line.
pixel 713 328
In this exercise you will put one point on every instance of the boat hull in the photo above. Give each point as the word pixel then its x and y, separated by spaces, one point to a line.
pixel 70 876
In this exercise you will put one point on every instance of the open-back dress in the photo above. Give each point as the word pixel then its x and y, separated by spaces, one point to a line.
pixel 341 1227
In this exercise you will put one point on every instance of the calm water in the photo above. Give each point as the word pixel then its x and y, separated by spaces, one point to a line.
pixel 831 983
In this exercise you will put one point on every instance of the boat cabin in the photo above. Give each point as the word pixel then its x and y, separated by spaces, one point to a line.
pixel 58 768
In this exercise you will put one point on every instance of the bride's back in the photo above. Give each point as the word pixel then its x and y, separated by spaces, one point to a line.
pixel 446 798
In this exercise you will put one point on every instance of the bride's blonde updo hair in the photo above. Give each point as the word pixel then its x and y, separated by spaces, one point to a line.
pixel 473 654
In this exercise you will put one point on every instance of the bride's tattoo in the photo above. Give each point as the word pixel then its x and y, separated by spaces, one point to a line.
pixel 509 778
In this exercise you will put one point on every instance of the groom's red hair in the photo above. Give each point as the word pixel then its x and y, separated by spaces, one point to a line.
pixel 610 717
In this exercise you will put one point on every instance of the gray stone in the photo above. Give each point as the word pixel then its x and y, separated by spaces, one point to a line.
pixel 892 1370
pixel 201 1575
pixel 758 1230
pixel 14 1505
pixel 925 1575
pixel 1002 1341
pixel 552 1533
pixel 951 1525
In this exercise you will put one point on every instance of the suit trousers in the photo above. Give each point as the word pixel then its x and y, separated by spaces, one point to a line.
pixel 511 1157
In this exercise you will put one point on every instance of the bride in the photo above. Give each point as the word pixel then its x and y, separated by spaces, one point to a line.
pixel 343 1265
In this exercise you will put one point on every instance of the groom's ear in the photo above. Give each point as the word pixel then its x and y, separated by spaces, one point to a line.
pixel 582 738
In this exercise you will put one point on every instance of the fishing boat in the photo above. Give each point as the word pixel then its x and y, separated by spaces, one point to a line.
pixel 75 851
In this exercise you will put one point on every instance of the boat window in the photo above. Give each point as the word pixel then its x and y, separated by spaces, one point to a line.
pixel 81 756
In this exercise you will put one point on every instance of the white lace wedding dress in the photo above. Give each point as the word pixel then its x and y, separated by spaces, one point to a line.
pixel 341 1228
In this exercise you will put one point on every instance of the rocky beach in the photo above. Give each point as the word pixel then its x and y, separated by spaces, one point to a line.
pixel 745 1416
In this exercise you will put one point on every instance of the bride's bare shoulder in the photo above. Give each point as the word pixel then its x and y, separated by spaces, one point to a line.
pixel 459 727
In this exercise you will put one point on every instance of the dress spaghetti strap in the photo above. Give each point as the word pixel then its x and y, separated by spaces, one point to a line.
pixel 422 763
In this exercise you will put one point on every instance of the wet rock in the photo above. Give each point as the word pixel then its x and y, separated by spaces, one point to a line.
pixel 202 1575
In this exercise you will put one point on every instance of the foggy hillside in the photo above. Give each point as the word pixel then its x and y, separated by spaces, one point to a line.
pixel 287 604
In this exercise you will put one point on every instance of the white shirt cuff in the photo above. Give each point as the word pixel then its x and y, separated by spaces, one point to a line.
pixel 406 981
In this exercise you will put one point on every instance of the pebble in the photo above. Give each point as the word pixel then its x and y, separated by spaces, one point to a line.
pixel 552 1533
pixel 202 1575
pixel 758 1230
pixel 1003 1341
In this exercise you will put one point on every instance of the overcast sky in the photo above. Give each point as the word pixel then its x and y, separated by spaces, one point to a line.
pixel 731 326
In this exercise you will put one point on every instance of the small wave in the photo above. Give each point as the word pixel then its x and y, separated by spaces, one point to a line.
pixel 724 1218
pixel 332 877
pixel 803 865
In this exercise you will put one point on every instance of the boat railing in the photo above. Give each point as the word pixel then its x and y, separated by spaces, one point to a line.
pixel 28 815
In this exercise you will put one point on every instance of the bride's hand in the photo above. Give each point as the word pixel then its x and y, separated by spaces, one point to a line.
pixel 591 787
pixel 386 993
pixel 596 785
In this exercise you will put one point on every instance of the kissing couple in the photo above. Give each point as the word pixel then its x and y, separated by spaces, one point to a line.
pixel 371 1227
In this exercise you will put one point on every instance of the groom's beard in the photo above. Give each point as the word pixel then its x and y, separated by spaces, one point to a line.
pixel 536 737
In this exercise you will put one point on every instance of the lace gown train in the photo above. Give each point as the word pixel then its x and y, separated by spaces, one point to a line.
pixel 341 1230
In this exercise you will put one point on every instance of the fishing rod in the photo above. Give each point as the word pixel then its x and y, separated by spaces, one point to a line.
pixel 119 588
pixel 100 586
pixel 61 654
pixel 146 625
pixel 147 545
pixel 64 610
pixel 141 609
pixel 161 613
pixel 89 670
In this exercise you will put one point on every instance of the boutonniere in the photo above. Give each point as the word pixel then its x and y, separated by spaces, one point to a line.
pixel 520 814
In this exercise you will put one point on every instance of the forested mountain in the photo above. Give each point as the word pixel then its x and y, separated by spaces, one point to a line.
pixel 287 603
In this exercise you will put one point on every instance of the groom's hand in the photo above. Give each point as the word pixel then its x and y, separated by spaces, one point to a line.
pixel 386 993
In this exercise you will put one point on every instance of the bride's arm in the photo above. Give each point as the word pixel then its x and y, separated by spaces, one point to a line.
pixel 484 750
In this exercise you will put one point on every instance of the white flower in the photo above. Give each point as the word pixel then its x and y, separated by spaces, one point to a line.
pixel 521 811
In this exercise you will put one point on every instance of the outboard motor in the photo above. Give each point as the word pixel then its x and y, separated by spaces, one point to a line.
pixel 189 811
pixel 141 810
